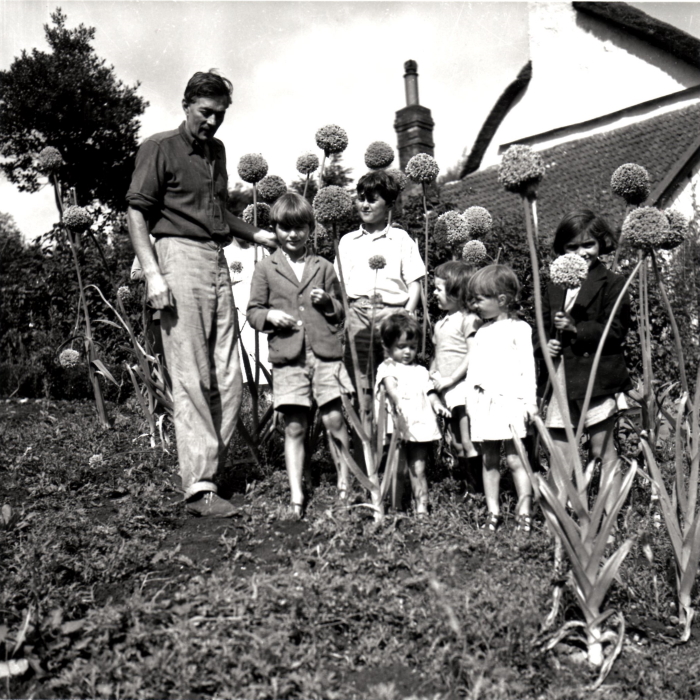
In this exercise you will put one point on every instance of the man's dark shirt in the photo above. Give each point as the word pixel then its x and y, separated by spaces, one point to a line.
pixel 178 190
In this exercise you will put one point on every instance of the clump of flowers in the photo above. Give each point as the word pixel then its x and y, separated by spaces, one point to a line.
pixel 422 168
pixel 479 221
pixel 678 229
pixel 124 293
pixel 263 215
pixel 236 267
pixel 271 187
pixel 331 204
pixel 69 358
pixel 332 139
pixel 252 167
pixel 474 253
pixel 631 182
pixel 455 227
pixel 521 169
pixel 400 178
pixel 307 163
pixel 77 219
pixel 49 159
pixel 568 271
pixel 379 154
pixel 95 460
pixel 377 262
pixel 646 228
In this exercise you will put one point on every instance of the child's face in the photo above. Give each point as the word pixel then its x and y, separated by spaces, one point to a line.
pixel 444 302
pixel 489 307
pixel 585 246
pixel 292 240
pixel 373 210
pixel 404 351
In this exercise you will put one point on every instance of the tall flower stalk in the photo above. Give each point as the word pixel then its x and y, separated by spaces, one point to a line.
pixel 376 263
pixel 423 169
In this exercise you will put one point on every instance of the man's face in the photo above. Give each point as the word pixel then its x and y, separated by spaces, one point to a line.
pixel 204 116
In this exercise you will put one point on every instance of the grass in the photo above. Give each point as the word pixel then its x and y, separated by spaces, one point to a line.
pixel 110 591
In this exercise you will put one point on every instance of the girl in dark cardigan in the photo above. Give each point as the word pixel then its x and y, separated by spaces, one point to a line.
pixel 580 326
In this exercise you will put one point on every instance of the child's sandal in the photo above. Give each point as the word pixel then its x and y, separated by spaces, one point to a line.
pixel 524 523
pixel 492 522
pixel 295 511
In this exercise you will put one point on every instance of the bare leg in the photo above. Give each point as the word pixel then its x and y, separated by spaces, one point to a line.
pixel 295 424
pixel 491 453
pixel 332 417
pixel 417 455
pixel 463 435
pixel 521 479
pixel 603 448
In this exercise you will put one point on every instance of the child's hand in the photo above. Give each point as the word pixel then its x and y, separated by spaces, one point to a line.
pixel 564 322
pixel 442 410
pixel 320 297
pixel 554 347
pixel 281 319
pixel 531 411
pixel 441 383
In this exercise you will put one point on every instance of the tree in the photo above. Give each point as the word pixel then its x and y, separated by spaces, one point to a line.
pixel 69 99
pixel 335 173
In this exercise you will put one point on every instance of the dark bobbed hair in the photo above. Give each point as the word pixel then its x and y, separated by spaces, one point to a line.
pixel 493 280
pixel 583 222
pixel 378 182
pixel 209 84
pixel 291 210
pixel 456 275
pixel 395 325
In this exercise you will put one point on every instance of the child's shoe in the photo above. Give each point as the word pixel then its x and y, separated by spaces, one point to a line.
pixel 524 523
pixel 492 522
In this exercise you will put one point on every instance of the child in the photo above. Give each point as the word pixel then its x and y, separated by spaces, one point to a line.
pixel 295 297
pixel 581 324
pixel 377 293
pixel 410 391
pixel 501 387
pixel 453 337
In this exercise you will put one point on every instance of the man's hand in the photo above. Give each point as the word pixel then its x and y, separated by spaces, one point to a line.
pixel 159 294
pixel 564 322
pixel 320 297
pixel 266 238
pixel 281 319
pixel 554 347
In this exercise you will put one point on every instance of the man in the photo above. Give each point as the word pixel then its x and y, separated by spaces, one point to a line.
pixel 178 194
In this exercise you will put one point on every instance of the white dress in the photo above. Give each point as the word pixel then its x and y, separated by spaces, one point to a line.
pixel 500 380
pixel 413 384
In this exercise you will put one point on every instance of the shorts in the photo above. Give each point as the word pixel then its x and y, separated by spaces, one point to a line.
pixel 309 378
pixel 600 409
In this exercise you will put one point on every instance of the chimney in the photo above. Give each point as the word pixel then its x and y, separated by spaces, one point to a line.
pixel 413 123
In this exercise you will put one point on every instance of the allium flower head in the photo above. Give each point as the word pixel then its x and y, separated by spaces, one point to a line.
pixel 631 182
pixel 399 176
pixel 376 299
pixel 332 203
pixel 455 227
pixel 307 163
pixel 124 292
pixel 69 358
pixel 379 154
pixel 474 253
pixel 422 168
pixel 646 228
pixel 252 167
pixel 271 187
pixel 263 215
pixel 521 169
pixel 479 221
pixel 49 159
pixel 95 460
pixel 77 219
pixel 568 271
pixel 236 267
pixel 332 139
pixel 377 262
pixel 678 229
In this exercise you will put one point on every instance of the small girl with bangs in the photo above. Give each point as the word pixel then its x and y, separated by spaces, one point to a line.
pixel 501 387
pixel 453 338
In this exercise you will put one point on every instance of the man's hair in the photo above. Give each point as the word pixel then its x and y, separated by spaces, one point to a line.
pixel 378 182
pixel 583 222
pixel 493 280
pixel 291 210
pixel 456 275
pixel 209 84
pixel 395 325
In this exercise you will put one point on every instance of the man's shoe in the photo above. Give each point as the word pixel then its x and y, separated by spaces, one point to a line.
pixel 210 506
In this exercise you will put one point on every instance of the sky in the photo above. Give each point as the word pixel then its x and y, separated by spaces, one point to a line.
pixel 297 66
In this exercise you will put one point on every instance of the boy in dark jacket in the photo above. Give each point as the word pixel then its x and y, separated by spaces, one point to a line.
pixel 295 297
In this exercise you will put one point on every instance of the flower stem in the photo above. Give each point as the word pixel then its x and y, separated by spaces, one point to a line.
pixel 427 262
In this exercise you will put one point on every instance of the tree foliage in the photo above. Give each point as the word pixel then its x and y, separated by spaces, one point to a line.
pixel 70 99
